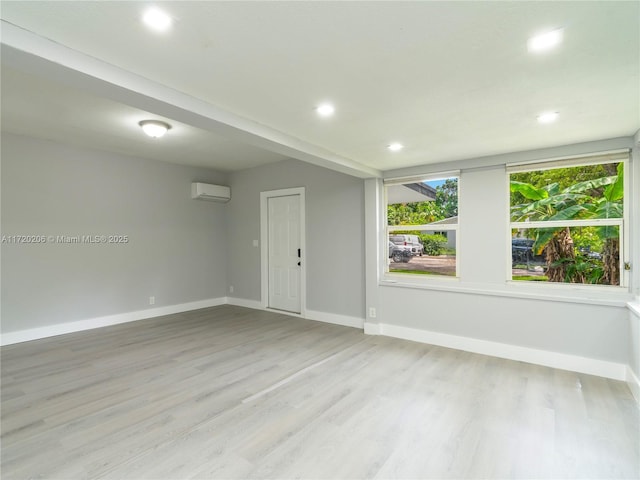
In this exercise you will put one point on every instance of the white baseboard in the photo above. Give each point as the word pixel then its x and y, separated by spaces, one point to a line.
pixel 371 328
pixel 574 363
pixel 91 323
pixel 335 318
pixel 243 302
pixel 326 317
pixel 634 384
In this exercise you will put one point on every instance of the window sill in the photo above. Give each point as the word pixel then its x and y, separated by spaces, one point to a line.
pixel 566 293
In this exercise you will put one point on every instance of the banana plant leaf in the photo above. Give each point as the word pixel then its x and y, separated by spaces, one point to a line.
pixel 590 184
pixel 543 235
pixel 615 191
pixel 609 231
pixel 528 191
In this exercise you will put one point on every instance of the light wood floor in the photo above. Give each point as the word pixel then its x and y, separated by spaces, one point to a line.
pixel 229 392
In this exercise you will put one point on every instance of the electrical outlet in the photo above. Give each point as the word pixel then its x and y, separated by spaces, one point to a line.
pixel 152 300
pixel 255 243
pixel 230 288
pixel 372 312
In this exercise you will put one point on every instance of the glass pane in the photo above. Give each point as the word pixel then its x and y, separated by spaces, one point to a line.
pixel 584 192
pixel 432 249
pixel 436 255
pixel 587 255
pixel 433 201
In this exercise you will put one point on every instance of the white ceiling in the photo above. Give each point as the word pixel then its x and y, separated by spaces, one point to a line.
pixel 239 80
pixel 33 105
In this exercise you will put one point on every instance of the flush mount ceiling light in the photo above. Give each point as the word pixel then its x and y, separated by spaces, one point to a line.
pixel 545 41
pixel 157 20
pixel 395 147
pixel 547 117
pixel 154 128
pixel 325 110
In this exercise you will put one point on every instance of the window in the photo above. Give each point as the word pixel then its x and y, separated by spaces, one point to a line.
pixel 567 220
pixel 422 225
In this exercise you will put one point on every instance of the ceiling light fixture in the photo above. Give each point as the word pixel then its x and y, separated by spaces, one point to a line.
pixel 545 41
pixel 395 147
pixel 547 117
pixel 154 128
pixel 157 20
pixel 325 110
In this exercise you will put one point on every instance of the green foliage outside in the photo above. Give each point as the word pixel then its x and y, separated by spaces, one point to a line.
pixel 587 238
pixel 586 192
pixel 433 244
pixel 447 198
pixel 422 213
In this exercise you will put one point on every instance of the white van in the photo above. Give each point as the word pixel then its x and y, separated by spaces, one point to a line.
pixel 410 242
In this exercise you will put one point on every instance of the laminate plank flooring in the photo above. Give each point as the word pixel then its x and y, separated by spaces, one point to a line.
pixel 229 392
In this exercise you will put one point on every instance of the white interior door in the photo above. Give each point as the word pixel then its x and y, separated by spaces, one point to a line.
pixel 284 254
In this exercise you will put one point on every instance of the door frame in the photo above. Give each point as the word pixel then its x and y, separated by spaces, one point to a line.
pixel 264 247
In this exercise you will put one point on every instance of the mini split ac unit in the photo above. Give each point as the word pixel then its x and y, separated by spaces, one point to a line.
pixel 212 193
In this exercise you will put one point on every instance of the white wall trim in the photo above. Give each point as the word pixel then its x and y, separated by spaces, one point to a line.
pixel 602 368
pixel 634 384
pixel 243 302
pixel 78 326
pixel 609 296
pixel 98 322
pixel 335 318
pixel 371 328
pixel 574 363
pixel 257 305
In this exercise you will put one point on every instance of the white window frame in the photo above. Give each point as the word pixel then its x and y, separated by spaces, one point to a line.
pixel 598 158
pixel 388 229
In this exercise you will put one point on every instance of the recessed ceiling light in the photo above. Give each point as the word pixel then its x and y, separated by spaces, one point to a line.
pixel 547 117
pixel 395 147
pixel 325 110
pixel 157 20
pixel 545 41
pixel 154 128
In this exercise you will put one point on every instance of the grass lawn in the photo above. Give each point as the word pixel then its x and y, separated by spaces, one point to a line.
pixel 531 278
pixel 421 272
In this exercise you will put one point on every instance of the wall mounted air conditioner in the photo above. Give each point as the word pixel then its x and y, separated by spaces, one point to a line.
pixel 212 193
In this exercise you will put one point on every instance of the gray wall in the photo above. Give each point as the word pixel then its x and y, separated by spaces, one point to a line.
pixel 634 316
pixel 177 247
pixel 334 233
pixel 634 341
pixel 182 250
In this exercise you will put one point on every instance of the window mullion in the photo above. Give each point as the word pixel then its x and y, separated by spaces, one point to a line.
pixel 595 222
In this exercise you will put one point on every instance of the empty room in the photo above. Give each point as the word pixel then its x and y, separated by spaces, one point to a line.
pixel 324 240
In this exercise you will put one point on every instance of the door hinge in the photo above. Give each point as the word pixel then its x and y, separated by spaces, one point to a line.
pixel 627 265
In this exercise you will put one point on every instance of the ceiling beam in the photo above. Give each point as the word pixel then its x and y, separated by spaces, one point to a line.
pixel 26 51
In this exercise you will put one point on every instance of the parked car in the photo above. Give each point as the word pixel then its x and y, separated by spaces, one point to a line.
pixel 586 251
pixel 399 253
pixel 411 242
pixel 522 252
